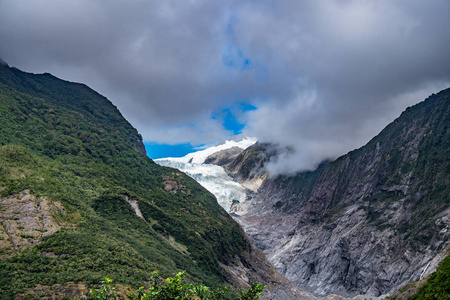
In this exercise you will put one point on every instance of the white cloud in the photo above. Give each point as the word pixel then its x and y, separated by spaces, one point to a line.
pixel 325 75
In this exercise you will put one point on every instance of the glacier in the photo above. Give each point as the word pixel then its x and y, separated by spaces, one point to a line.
pixel 199 157
pixel 212 177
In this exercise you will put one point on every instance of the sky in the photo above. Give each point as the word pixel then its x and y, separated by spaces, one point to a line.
pixel 321 77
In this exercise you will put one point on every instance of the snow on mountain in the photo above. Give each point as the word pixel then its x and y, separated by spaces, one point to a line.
pixel 200 156
pixel 212 177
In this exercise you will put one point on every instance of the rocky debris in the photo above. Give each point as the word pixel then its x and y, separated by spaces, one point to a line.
pixel 348 251
pixel 134 204
pixel 25 219
pixel 241 272
pixel 368 222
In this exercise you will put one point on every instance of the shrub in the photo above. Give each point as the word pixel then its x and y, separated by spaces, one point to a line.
pixel 174 288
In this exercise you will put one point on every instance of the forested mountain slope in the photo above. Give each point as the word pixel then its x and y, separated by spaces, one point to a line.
pixel 80 200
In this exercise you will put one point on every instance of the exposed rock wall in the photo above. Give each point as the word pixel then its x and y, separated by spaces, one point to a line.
pixel 241 271
pixel 25 219
pixel 368 222
pixel 223 157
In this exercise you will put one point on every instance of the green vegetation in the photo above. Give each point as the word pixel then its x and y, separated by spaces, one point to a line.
pixel 174 288
pixel 64 141
pixel 434 286
pixel 438 283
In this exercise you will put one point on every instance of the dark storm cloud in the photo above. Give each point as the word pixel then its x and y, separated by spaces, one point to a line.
pixel 325 75
pixel 350 68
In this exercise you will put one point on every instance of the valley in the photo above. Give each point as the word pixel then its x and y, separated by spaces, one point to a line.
pixel 364 224
pixel 224 150
pixel 81 200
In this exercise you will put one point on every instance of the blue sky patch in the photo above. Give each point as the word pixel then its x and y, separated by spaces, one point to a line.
pixel 231 116
pixel 231 119
pixel 155 150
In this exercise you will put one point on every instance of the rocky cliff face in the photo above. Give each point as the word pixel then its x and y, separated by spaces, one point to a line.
pixel 368 222
pixel 248 167
pixel 223 157
pixel 25 220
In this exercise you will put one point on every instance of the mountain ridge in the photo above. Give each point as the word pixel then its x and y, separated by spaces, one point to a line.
pixel 365 223
pixel 2 62
pixel 65 144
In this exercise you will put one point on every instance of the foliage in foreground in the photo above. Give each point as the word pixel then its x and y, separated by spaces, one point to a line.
pixel 174 288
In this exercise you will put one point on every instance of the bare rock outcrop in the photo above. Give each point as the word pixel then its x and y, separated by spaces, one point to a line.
pixel 25 219
pixel 241 272
pixel 223 157
pixel 368 222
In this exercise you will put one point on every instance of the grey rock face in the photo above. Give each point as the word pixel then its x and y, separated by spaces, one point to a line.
pixel 243 271
pixel 25 220
pixel 139 146
pixel 249 164
pixel 368 222
pixel 223 157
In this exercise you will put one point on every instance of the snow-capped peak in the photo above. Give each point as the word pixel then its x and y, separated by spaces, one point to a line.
pixel 199 157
